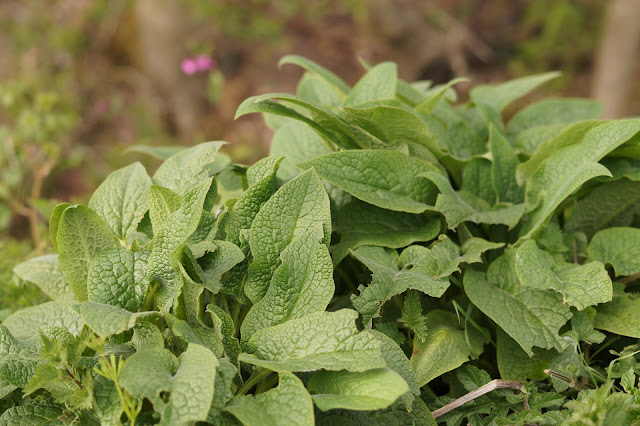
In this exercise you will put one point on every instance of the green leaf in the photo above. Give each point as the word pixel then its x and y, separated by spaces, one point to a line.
pixel 228 330
pixel 222 392
pixel 428 105
pixel 187 168
pixel 169 241
pixel 251 201
pixel 394 124
pixel 531 317
pixel 369 390
pixel 107 320
pixel 417 268
pixel 297 207
pixel 81 235
pixel 146 336
pixel 314 89
pixel 123 199
pixel 580 285
pixel 302 284
pixel 317 70
pixel 582 143
pixel 54 222
pixel 461 206
pixel 186 382
pixel 617 247
pixel 297 142
pixel 378 83
pixel 477 179
pixel 557 192
pixel 323 340
pixel 118 277
pixel 357 224
pixel 332 128
pixel 107 401
pixel 288 403
pixel 554 111
pixel 620 316
pixel 157 152
pixel 610 204
pixel 200 336
pixel 163 202
pixel 387 179
pixel 27 322
pixel 45 272
pixel 515 364
pixel 396 359
pixel 503 168
pixel 445 348
pixel 417 415
pixel 19 359
pixel 32 415
pixel 215 258
pixel 501 95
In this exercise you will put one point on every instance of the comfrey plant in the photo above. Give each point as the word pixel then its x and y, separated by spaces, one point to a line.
pixel 393 255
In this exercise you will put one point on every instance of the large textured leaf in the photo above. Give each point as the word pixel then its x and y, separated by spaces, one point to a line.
pixel 188 382
pixel 107 320
pixel 531 317
pixel 180 225
pixel 503 168
pixel 610 204
pixel 501 95
pixel 617 247
pixel 580 285
pixel 394 124
pixel 556 192
pixel 214 259
pixel 318 70
pixel 582 143
pixel 417 268
pixel 554 111
pixel 620 316
pixel 297 142
pixel 163 202
pixel 250 202
pixel 288 403
pixel 368 390
pixel 396 359
pixel 417 415
pixel 32 415
pixel 187 168
pixel 302 284
pixel 117 277
pixel 123 199
pixel 387 179
pixel 299 206
pixel 19 360
pixel 358 223
pixel 515 364
pixel 378 83
pixel 27 322
pixel 445 347
pixel 81 235
pixel 462 206
pixel 323 340
pixel 45 272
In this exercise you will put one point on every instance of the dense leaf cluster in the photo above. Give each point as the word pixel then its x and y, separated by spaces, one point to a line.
pixel 395 252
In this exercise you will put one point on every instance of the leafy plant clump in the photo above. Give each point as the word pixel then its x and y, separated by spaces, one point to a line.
pixel 396 252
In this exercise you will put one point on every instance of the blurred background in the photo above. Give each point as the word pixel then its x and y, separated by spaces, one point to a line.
pixel 82 80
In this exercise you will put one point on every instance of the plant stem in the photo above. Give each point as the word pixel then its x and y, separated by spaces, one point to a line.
pixel 259 374
pixel 570 381
pixel 629 279
pixel 491 386
pixel 265 385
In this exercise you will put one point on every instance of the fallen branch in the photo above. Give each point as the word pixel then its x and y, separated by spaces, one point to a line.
pixel 491 386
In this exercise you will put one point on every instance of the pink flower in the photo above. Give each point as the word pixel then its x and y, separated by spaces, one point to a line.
pixel 200 63
pixel 189 66
pixel 205 63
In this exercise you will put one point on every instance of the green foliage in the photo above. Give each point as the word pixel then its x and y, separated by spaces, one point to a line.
pixel 406 246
